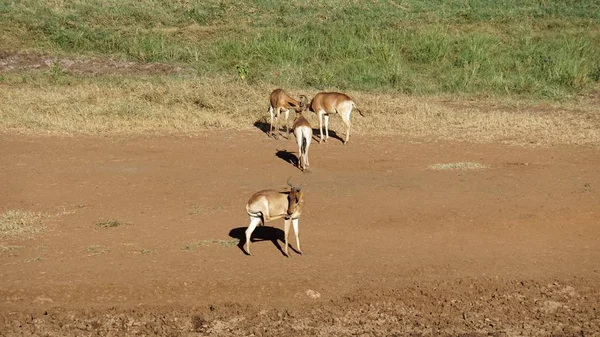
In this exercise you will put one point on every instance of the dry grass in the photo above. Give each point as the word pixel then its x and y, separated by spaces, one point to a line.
pixel 109 224
pixel 97 250
pixel 9 248
pixel 457 166
pixel 208 242
pixel 20 224
pixel 190 106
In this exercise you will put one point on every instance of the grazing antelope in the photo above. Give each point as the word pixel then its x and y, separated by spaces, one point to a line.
pixel 325 103
pixel 280 102
pixel 267 205
pixel 303 132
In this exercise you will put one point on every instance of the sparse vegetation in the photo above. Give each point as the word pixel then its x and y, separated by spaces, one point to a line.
pixel 207 242
pixel 109 224
pixel 196 210
pixel 457 166
pixel 9 248
pixel 16 223
pixel 97 250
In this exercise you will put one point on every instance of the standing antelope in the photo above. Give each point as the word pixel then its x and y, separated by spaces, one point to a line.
pixel 303 132
pixel 325 103
pixel 267 205
pixel 280 102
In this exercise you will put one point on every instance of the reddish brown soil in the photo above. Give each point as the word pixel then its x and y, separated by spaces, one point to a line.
pixel 391 247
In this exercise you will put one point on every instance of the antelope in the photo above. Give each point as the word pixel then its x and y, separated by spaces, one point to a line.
pixel 267 205
pixel 280 102
pixel 303 132
pixel 325 103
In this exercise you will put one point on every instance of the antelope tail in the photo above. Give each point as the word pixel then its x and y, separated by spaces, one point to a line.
pixel 304 141
pixel 357 109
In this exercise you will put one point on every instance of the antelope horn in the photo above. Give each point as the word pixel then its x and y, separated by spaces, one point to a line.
pixel 288 182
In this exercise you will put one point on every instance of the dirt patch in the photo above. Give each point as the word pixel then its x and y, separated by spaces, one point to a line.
pixel 391 247
pixel 492 308
pixel 18 61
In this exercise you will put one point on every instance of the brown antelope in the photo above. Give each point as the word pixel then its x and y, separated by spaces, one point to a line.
pixel 280 102
pixel 267 205
pixel 303 132
pixel 325 103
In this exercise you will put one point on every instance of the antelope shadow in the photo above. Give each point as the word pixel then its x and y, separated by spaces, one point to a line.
pixel 262 126
pixel 332 134
pixel 287 156
pixel 261 233
pixel 265 127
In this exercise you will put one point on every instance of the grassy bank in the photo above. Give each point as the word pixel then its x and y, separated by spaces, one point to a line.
pixel 547 49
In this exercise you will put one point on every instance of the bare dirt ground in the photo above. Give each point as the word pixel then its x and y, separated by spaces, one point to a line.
pixel 392 248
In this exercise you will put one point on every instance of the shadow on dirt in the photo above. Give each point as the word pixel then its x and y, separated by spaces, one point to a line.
pixel 287 156
pixel 332 134
pixel 261 233
pixel 264 127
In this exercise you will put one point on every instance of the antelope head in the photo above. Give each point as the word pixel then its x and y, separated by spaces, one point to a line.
pixel 295 199
pixel 303 104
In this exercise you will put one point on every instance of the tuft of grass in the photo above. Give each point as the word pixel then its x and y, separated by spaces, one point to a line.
pixel 207 242
pixel 457 166
pixel 109 224
pixel 196 210
pixel 9 248
pixel 19 224
pixel 97 250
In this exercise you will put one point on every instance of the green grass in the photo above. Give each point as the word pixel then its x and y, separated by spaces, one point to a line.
pixel 531 48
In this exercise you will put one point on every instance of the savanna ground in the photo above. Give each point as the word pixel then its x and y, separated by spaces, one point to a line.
pixel 466 202
pixel 117 233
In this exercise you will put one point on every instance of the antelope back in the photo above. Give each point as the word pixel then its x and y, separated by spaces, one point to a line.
pixel 300 121
pixel 328 101
pixel 279 98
